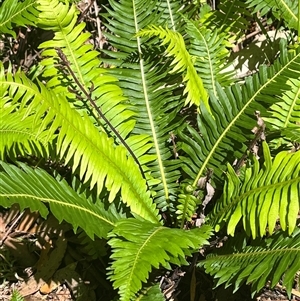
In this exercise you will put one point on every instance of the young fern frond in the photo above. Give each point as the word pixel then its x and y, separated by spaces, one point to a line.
pixel 183 62
pixel 234 118
pixel 138 246
pixel 18 13
pixel 272 259
pixel 187 203
pixel 31 188
pixel 79 140
pixel 262 196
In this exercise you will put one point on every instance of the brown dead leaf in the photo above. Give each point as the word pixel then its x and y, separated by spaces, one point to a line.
pixel 46 266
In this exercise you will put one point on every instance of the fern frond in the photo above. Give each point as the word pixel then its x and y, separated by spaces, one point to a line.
pixel 285 112
pixel 31 188
pixel 224 138
pixel 139 245
pixel 208 62
pixel 20 134
pixel 85 64
pixel 16 296
pixel 282 9
pixel 272 259
pixel 262 196
pixel 187 203
pixel 230 17
pixel 183 62
pixel 78 140
pixel 143 76
pixel 19 13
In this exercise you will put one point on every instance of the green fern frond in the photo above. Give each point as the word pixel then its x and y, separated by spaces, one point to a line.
pixel 85 64
pixel 262 196
pixel 18 13
pixel 187 203
pixel 286 10
pixel 31 188
pixel 183 62
pixel 272 259
pixel 224 138
pixel 78 140
pixel 208 62
pixel 20 134
pixel 144 78
pixel 230 17
pixel 286 111
pixel 138 246
pixel 16 296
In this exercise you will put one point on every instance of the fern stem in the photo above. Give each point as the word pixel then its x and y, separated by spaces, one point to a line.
pixel 298 20
pixel 93 104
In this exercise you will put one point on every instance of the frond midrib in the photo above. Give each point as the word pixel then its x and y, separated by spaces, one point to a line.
pixel 55 201
pixel 240 113
pixel 83 135
pixel 155 140
pixel 135 262
pixel 240 197
pixel 256 253
pixel 292 106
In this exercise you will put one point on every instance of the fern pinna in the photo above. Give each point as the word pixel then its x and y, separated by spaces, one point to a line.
pixel 147 129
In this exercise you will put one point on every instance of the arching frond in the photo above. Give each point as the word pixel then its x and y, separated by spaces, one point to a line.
pixel 138 246
pixel 262 196
pixel 224 138
pixel 91 151
pixel 31 188
pixel 18 13
pixel 272 259
pixel 84 64
pixel 183 62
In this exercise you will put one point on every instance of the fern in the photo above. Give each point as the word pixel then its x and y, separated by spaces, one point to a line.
pixel 263 195
pixel 183 63
pixel 230 17
pixel 233 111
pixel 281 9
pixel 18 13
pixel 83 61
pixel 132 147
pixel 208 62
pixel 144 78
pixel 30 188
pixel 16 296
pixel 80 141
pixel 256 264
pixel 139 245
